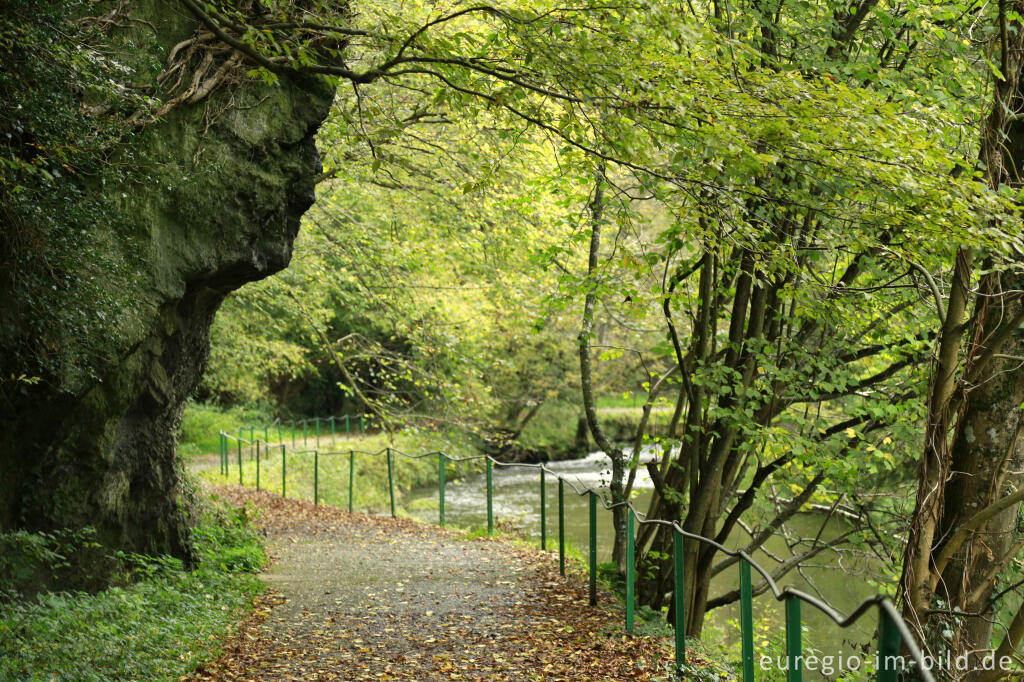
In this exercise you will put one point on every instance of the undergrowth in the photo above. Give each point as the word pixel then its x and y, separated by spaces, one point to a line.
pixel 159 624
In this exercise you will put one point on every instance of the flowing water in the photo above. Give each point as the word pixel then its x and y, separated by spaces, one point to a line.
pixel 842 581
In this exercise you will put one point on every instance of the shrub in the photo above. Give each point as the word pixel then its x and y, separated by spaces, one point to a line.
pixel 160 624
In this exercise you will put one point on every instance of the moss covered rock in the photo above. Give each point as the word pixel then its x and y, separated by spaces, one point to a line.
pixel 211 200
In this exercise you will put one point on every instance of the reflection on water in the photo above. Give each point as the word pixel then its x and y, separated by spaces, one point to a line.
pixel 843 583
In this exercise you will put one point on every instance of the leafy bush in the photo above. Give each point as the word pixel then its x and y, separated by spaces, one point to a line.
pixel 553 429
pixel 159 627
pixel 32 562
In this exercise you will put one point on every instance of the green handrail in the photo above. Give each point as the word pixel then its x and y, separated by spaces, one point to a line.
pixel 679 599
pixel 305 434
pixel 794 645
pixel 239 456
pixel 440 465
pixel 630 577
pixel 561 526
pixel 391 484
pixel 889 641
pixel 746 622
pixel 894 636
pixel 543 515
pixel 490 499
pixel 593 548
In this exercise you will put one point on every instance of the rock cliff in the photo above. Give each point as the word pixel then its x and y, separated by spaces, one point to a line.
pixel 213 201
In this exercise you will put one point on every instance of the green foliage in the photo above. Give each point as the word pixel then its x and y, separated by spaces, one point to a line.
pixel 158 627
pixel 201 424
pixel 553 429
pixel 29 560
pixel 428 298
pixel 66 283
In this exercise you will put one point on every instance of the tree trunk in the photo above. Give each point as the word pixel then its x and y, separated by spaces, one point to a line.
pixel 964 531
pixel 586 380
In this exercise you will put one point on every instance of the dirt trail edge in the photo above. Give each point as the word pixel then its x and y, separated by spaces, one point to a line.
pixel 358 597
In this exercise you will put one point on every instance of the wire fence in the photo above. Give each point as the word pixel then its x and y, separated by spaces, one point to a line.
pixel 300 429
pixel 894 636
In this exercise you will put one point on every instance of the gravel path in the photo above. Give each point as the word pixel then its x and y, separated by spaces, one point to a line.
pixel 357 597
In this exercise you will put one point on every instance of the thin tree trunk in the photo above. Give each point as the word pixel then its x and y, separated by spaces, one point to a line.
pixel 586 378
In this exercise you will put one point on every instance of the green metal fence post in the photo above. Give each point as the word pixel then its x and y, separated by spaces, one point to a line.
pixel 332 429
pixel 593 548
pixel 305 436
pixel 280 437
pixel 889 642
pixel 316 477
pixel 221 449
pixel 561 526
pixel 490 498
pixel 284 473
pixel 543 514
pixel 257 465
pixel 629 571
pixel 318 432
pixel 252 438
pixel 266 433
pixel 679 598
pixel 346 425
pixel 362 426
pixel 351 476
pixel 239 456
pixel 746 621
pixel 391 484
pixel 794 645
pixel 440 460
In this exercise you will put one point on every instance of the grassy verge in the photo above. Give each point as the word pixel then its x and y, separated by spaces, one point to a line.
pixel 370 489
pixel 161 624
pixel 201 425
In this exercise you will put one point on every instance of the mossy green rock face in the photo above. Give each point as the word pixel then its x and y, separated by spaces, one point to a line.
pixel 221 188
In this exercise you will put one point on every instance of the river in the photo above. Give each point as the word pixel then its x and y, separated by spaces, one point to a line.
pixel 844 582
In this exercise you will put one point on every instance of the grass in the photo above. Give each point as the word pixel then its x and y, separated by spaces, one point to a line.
pixel 160 624
pixel 201 425
pixel 618 400
pixel 331 465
